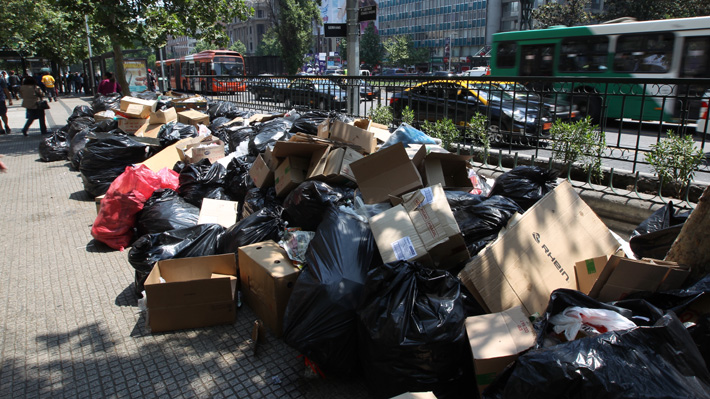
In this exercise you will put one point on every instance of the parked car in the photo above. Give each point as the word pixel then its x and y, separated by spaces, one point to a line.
pixel 475 71
pixel 268 87
pixel 559 106
pixel 444 74
pixel 320 93
pixel 393 72
pixel 508 119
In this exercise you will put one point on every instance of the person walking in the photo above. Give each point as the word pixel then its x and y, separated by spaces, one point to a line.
pixel 48 81
pixel 109 85
pixel 78 82
pixel 4 92
pixel 14 82
pixel 31 95
pixel 150 79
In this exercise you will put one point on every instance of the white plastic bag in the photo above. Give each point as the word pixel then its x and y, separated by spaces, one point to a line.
pixel 590 321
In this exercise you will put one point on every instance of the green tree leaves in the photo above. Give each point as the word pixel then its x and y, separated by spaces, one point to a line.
pixel 571 13
pixel 294 30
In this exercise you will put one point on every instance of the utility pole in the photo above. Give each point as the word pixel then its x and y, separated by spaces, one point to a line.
pixel 353 57
pixel 91 77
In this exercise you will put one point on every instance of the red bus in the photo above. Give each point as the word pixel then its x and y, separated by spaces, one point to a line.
pixel 190 73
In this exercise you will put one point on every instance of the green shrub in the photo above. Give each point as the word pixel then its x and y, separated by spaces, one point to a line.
pixel 408 115
pixel 381 114
pixel 444 130
pixel 580 142
pixel 675 159
pixel 477 129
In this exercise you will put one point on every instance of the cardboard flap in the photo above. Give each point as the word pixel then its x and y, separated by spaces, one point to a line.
pixel 500 334
pixel 283 149
pixel 220 212
pixel 271 257
pixel 384 173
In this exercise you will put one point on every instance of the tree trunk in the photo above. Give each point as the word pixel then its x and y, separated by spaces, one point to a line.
pixel 118 64
pixel 692 247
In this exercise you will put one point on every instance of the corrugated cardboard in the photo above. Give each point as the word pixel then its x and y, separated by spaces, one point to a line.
pixel 396 236
pixel 314 154
pixel 496 340
pixel 151 131
pixel 164 116
pixel 290 173
pixel 136 111
pixel 623 276
pixel 193 117
pixel 132 125
pixel 384 173
pixel 449 170
pixel 191 297
pixel 588 271
pixel 537 254
pixel 104 115
pixel 271 161
pixel 260 173
pixel 340 131
pixel 337 165
pixel 221 212
pixel 267 278
pixel 167 157
pixel 146 105
pixel 197 103
pixel 211 149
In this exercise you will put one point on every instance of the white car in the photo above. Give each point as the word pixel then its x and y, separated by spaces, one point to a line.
pixel 703 127
pixel 475 71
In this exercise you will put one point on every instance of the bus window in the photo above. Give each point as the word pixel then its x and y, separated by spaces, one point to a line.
pixel 228 66
pixel 646 53
pixel 696 57
pixel 505 57
pixel 584 54
pixel 537 60
pixel 205 68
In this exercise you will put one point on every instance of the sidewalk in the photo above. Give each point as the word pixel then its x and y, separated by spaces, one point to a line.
pixel 70 325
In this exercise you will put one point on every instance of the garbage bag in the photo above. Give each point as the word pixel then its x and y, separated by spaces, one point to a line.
pixel 81 111
pixel 406 134
pixel 320 319
pixel 411 328
pixel 77 144
pixel 147 95
pixel 199 240
pixel 218 122
pixel 481 223
pixel 223 109
pixel 79 124
pixel 308 122
pixel 269 133
pixel 459 199
pixel 237 138
pixel 54 147
pixel 237 179
pixel 166 210
pixel 654 237
pixel 525 184
pixel 173 132
pixel 657 361
pixel 105 158
pixel 106 125
pixel 263 225
pixel 260 198
pixel 104 103
pixel 124 199
pixel 305 205
pixel 198 179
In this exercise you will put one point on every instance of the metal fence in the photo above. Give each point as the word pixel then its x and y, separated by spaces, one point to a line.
pixel 633 114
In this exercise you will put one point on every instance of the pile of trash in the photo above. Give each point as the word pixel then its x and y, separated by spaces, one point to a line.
pixel 376 253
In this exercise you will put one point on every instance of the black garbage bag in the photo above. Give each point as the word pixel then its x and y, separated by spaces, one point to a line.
pixel 462 199
pixel 104 103
pixel 79 124
pixel 261 198
pixel 218 122
pixel 411 329
pixel 263 225
pixel 54 147
pixel 268 133
pixel 308 122
pixel 81 111
pixel 237 179
pixel 525 185
pixel 305 206
pixel 166 210
pixel 224 109
pixel 199 240
pixel 237 138
pixel 654 236
pixel 163 104
pixel 175 131
pixel 481 223
pixel 77 144
pixel 105 125
pixel 147 95
pixel 198 179
pixel 657 361
pixel 320 319
pixel 105 158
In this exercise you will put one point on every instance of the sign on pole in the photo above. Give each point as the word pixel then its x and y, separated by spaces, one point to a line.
pixel 336 30
pixel 367 13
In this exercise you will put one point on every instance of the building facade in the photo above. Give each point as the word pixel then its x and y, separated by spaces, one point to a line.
pixel 180 46
pixel 251 31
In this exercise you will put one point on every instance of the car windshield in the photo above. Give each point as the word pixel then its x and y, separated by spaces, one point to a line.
pixel 490 92
pixel 228 68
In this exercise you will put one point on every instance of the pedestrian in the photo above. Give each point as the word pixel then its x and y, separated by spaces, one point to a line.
pixel 4 92
pixel 48 81
pixel 78 82
pixel 150 80
pixel 85 83
pixel 31 95
pixel 14 82
pixel 109 85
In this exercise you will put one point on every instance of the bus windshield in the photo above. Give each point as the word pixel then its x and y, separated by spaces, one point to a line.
pixel 229 68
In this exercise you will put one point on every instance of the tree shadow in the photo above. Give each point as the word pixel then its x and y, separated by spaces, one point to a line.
pixel 82 195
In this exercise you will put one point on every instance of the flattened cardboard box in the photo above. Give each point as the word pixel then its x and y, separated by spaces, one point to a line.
pixel 220 212
pixel 198 292
pixel 537 254
pixel 267 279
pixel 496 340
pixel 388 172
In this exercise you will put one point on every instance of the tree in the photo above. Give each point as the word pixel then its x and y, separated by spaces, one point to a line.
pixel 571 13
pixel 239 47
pixel 400 50
pixel 202 45
pixel 294 30
pixel 149 22
pixel 644 10
pixel 269 44
pixel 371 50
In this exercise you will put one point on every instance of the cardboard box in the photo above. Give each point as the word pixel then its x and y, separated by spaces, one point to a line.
pixel 587 272
pixel 260 173
pixel 97 201
pixel 537 254
pixel 340 131
pixel 132 125
pixel 104 115
pixel 191 297
pixel 198 103
pixel 337 164
pixel 267 279
pixel 623 276
pixel 290 173
pixel 151 131
pixel 388 172
pixel 211 149
pixel 449 170
pixel 396 236
pixel 193 117
pixel 167 157
pixel 496 340
pixel 221 212
pixel 162 117
pixel 146 106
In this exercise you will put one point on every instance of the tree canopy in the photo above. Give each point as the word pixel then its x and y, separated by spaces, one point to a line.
pixel 644 10
pixel 400 51
pixel 294 30
pixel 371 50
pixel 571 13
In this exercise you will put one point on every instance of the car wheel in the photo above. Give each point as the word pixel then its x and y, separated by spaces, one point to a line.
pixel 588 105
pixel 495 134
pixel 287 103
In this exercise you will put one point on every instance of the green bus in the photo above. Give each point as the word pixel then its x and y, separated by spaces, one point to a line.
pixel 637 52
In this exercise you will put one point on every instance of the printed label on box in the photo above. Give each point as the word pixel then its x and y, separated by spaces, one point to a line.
pixel 404 249
pixel 428 196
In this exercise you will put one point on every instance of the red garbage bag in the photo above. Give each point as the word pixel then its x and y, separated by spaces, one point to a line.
pixel 124 199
